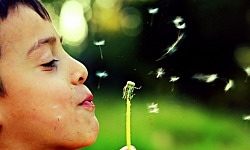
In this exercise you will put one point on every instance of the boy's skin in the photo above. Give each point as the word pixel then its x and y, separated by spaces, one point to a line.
pixel 41 108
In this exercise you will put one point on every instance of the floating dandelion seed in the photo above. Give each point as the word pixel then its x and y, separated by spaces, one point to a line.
pixel 177 22
pixel 152 11
pixel 183 26
pixel 172 48
pixel 100 43
pixel 207 78
pixel 152 109
pixel 246 118
pixel 229 85
pixel 159 72
pixel 101 75
pixel 174 78
pixel 152 105
pixel 247 70
pixel 211 78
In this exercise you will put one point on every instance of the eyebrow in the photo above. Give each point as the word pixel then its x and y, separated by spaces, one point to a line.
pixel 39 43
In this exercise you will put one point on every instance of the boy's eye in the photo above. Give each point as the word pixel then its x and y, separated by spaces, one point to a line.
pixel 50 64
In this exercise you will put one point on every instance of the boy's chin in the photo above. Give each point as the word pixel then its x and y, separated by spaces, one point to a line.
pixel 90 140
pixel 86 143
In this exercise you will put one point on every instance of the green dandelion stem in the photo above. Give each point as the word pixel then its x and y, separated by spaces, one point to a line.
pixel 128 135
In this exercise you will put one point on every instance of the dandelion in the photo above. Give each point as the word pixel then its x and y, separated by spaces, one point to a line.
pixel 100 43
pixel 247 70
pixel 101 75
pixel 128 95
pixel 172 48
pixel 207 78
pixel 159 72
pixel 152 11
pixel 229 85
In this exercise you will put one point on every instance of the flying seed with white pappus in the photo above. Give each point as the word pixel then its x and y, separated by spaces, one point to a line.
pixel 99 44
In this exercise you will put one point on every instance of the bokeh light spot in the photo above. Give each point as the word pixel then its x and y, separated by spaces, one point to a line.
pixel 242 55
pixel 107 4
pixel 131 21
pixel 73 25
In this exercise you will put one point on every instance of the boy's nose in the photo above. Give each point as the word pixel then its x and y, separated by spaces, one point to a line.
pixel 79 72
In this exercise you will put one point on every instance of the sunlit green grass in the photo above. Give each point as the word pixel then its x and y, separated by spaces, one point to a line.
pixel 180 125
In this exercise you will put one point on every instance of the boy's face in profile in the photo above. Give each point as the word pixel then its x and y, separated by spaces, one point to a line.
pixel 45 92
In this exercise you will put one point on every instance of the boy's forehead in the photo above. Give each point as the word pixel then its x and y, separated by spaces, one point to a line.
pixel 22 26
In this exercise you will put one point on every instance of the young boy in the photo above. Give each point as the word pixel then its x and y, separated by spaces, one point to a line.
pixel 44 104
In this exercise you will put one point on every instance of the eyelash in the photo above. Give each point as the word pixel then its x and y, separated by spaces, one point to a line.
pixel 50 64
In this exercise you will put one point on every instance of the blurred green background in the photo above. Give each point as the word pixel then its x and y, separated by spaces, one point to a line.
pixel 193 115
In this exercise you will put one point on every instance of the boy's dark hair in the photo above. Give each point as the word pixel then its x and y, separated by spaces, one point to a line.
pixel 7 5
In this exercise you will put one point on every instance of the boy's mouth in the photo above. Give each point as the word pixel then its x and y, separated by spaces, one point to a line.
pixel 88 101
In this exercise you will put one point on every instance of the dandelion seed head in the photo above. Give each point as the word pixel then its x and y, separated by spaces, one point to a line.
pixel 153 10
pixel 152 106
pixel 247 70
pixel 229 85
pixel 174 78
pixel 99 43
pixel 247 118
pixel 159 72
pixel 103 74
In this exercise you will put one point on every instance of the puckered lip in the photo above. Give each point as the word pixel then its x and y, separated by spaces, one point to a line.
pixel 88 101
